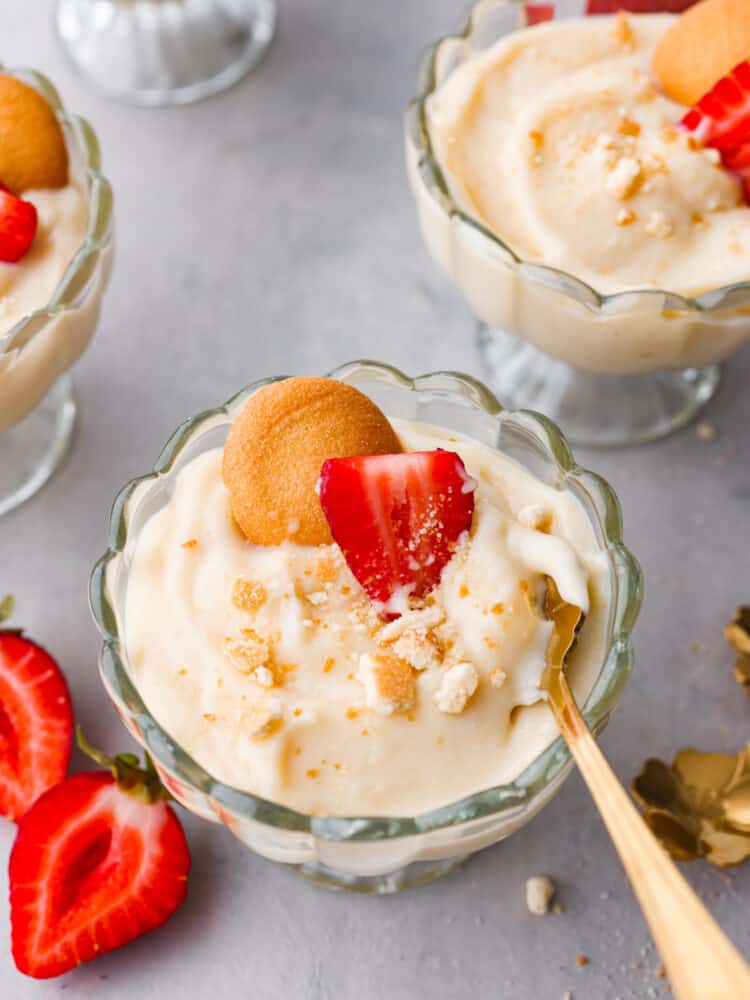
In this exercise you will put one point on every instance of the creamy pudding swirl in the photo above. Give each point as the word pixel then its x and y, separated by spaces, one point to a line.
pixel 557 139
pixel 271 666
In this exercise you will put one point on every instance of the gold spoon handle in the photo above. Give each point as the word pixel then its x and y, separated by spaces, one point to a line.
pixel 701 961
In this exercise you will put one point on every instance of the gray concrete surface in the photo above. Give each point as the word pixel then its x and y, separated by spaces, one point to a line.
pixel 271 230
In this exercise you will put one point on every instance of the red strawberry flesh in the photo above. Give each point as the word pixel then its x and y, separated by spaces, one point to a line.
pixel 538 13
pixel 36 724
pixel 721 120
pixel 18 224
pixel 92 868
pixel 397 519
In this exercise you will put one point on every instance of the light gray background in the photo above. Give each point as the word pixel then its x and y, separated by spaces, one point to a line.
pixel 270 230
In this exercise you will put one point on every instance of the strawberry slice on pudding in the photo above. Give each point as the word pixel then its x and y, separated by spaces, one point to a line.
pixel 721 120
pixel 18 225
pixel 397 519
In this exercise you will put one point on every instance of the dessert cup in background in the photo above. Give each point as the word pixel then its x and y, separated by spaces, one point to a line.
pixel 383 853
pixel 156 52
pixel 37 408
pixel 612 369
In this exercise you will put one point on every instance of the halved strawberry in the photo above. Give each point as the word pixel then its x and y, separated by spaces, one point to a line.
pixel 722 117
pixel 538 13
pixel 638 6
pixel 98 860
pixel 36 723
pixel 397 518
pixel 18 222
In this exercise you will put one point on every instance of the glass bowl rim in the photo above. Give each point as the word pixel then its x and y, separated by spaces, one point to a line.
pixel 83 265
pixel 626 579
pixel 417 131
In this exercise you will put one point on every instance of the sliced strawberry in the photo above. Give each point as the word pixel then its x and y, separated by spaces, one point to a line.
pixel 36 723
pixel 638 6
pixel 538 13
pixel 722 117
pixel 18 222
pixel 397 518
pixel 98 861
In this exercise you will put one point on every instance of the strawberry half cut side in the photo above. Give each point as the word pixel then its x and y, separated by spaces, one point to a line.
pixel 18 224
pixel 98 861
pixel 397 519
pixel 36 723
pixel 721 118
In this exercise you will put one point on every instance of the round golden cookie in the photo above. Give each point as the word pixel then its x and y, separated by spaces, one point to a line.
pixel 703 45
pixel 32 146
pixel 277 445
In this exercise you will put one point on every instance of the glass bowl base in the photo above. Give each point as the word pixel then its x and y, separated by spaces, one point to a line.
pixel 409 877
pixel 32 450
pixel 596 411
pixel 157 52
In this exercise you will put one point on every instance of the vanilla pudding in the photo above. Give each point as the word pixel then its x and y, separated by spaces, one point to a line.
pixel 272 668
pixel 557 140
pixel 54 165
pixel 28 285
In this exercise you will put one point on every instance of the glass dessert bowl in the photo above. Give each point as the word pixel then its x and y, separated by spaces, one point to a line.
pixel 611 363
pixel 162 52
pixel 37 408
pixel 375 853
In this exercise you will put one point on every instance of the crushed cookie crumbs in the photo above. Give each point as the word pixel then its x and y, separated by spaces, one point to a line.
pixel 247 595
pixel 389 683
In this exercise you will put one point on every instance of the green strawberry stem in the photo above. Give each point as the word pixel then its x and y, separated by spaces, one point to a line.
pixel 142 782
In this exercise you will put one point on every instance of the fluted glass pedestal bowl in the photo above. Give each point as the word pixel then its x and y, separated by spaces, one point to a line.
pixel 154 52
pixel 37 408
pixel 361 853
pixel 549 341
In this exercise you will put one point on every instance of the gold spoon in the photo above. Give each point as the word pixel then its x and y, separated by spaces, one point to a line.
pixel 701 961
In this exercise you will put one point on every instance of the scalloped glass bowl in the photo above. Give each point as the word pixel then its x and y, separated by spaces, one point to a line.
pixel 546 337
pixel 366 854
pixel 37 410
pixel 155 52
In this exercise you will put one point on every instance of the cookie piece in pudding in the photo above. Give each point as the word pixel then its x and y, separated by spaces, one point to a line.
pixel 277 446
pixel 33 154
pixel 703 45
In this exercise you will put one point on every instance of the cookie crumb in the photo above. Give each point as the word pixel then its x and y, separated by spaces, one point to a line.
pixel 458 685
pixel 540 891
pixel 705 431
pixel 581 960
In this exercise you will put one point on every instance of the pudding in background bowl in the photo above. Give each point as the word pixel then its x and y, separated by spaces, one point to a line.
pixel 603 248
pixel 278 692
pixel 51 286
